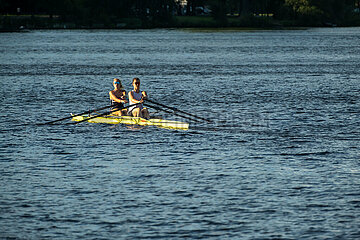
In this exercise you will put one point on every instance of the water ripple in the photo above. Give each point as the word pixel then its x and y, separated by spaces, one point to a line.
pixel 280 160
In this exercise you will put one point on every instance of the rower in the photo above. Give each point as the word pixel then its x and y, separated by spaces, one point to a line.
pixel 136 96
pixel 118 98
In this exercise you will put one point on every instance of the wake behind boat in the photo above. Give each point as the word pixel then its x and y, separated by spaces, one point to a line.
pixel 110 119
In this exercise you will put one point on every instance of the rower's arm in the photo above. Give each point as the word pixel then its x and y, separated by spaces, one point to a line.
pixel 124 97
pixel 115 98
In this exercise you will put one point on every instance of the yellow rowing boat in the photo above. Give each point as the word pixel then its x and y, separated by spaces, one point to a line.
pixel 161 123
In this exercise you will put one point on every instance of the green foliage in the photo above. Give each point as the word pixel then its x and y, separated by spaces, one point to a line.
pixel 303 7
pixel 305 12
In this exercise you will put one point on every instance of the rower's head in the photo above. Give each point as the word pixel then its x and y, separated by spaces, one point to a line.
pixel 136 82
pixel 117 83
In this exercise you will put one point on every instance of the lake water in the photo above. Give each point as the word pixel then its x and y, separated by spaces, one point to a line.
pixel 280 161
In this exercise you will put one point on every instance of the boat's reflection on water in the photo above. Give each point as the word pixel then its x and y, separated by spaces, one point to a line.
pixel 129 127
pixel 135 127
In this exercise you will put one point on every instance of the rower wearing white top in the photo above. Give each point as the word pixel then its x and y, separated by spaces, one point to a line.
pixel 136 96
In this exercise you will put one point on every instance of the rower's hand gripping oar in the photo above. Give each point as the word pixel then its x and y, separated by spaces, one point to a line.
pixel 178 110
pixel 87 112
pixel 103 114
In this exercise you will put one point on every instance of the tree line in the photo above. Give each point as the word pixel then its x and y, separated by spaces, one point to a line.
pixel 164 12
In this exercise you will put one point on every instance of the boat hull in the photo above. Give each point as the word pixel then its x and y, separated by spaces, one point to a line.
pixel 161 123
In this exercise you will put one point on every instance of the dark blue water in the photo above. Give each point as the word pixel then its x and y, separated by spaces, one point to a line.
pixel 280 161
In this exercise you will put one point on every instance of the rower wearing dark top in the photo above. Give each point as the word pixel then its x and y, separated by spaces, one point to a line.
pixel 118 97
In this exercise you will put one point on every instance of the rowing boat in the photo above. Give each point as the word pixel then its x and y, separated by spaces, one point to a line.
pixel 110 119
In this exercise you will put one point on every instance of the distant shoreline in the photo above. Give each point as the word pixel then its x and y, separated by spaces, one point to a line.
pixel 22 23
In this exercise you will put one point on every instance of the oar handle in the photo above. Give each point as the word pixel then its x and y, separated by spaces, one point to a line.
pixel 178 110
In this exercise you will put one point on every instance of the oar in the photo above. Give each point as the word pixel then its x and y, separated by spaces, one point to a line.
pixel 167 111
pixel 103 114
pixel 87 112
pixel 177 110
